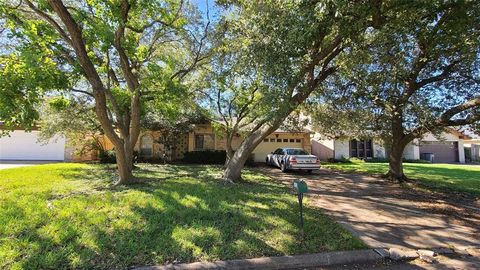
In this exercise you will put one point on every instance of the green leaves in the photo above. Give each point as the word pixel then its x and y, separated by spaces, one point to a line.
pixel 24 80
pixel 422 61
pixel 58 104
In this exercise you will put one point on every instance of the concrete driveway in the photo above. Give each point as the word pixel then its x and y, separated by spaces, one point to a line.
pixel 384 214
pixel 6 164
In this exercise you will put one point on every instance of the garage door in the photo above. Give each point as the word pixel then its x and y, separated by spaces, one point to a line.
pixel 21 145
pixel 266 147
pixel 445 152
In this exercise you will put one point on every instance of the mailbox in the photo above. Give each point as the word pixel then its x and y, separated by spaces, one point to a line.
pixel 300 186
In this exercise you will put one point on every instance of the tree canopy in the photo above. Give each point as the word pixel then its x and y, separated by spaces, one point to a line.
pixel 121 53
pixel 417 74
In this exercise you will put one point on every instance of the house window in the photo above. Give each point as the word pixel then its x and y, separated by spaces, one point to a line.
pixel 298 140
pixel 361 148
pixel 285 140
pixel 272 140
pixel 279 140
pixel 204 142
pixel 265 140
pixel 146 146
pixel 292 140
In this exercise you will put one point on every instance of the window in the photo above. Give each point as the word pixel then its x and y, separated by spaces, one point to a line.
pixel 296 152
pixel 279 140
pixel 285 140
pixel 298 140
pixel 265 140
pixel 272 140
pixel 292 140
pixel 199 139
pixel 204 142
pixel 361 148
pixel 146 146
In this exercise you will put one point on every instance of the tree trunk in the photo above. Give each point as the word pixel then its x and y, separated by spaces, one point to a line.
pixel 395 171
pixel 397 146
pixel 229 149
pixel 235 164
pixel 124 156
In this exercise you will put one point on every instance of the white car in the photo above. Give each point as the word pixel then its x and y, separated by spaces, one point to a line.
pixel 293 159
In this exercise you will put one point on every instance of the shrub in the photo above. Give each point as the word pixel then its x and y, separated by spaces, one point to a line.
pixel 415 161
pixel 210 157
pixel 377 160
pixel 205 157
pixel 250 161
pixel 107 156
pixel 110 157
pixel 342 160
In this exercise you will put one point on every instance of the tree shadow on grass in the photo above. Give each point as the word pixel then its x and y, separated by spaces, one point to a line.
pixel 447 179
pixel 179 214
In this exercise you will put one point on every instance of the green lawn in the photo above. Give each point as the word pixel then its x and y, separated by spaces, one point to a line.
pixel 70 216
pixel 459 178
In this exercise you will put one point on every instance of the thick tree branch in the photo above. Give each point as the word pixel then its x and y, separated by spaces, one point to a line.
pixel 131 79
pixel 88 68
pixel 50 20
pixel 446 117
pixel 82 92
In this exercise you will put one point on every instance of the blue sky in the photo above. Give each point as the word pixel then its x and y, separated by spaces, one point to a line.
pixel 202 5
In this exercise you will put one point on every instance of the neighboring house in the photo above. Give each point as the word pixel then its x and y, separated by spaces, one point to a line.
pixel 446 149
pixel 472 148
pixel 449 148
pixel 344 147
pixel 22 145
pixel 25 145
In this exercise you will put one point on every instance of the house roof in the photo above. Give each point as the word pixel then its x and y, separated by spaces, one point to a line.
pixel 279 130
pixel 460 134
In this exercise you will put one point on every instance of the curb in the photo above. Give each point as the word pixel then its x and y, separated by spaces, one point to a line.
pixel 283 262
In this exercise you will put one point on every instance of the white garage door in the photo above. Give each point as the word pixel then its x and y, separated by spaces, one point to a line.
pixel 271 144
pixel 21 145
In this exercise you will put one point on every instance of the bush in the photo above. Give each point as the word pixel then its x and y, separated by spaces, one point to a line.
pixel 107 156
pixel 210 157
pixel 377 160
pixel 250 161
pixel 415 161
pixel 152 160
pixel 110 157
pixel 342 160
pixel 205 157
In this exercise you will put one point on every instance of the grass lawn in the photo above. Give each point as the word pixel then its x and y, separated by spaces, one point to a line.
pixel 70 216
pixel 458 178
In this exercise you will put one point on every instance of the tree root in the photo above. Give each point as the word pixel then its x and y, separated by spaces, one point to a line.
pixel 133 180
pixel 392 177
pixel 230 181
pixel 227 181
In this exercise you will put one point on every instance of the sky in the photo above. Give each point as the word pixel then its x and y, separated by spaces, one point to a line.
pixel 203 4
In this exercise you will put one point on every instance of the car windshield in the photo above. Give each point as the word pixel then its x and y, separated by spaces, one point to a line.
pixel 296 152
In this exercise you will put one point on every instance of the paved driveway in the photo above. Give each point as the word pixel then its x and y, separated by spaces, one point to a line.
pixel 6 164
pixel 383 214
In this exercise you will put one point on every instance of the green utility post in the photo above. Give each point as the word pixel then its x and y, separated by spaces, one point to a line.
pixel 301 187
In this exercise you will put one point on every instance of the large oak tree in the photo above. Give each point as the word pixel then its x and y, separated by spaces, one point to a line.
pixel 273 55
pixel 122 53
pixel 417 74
